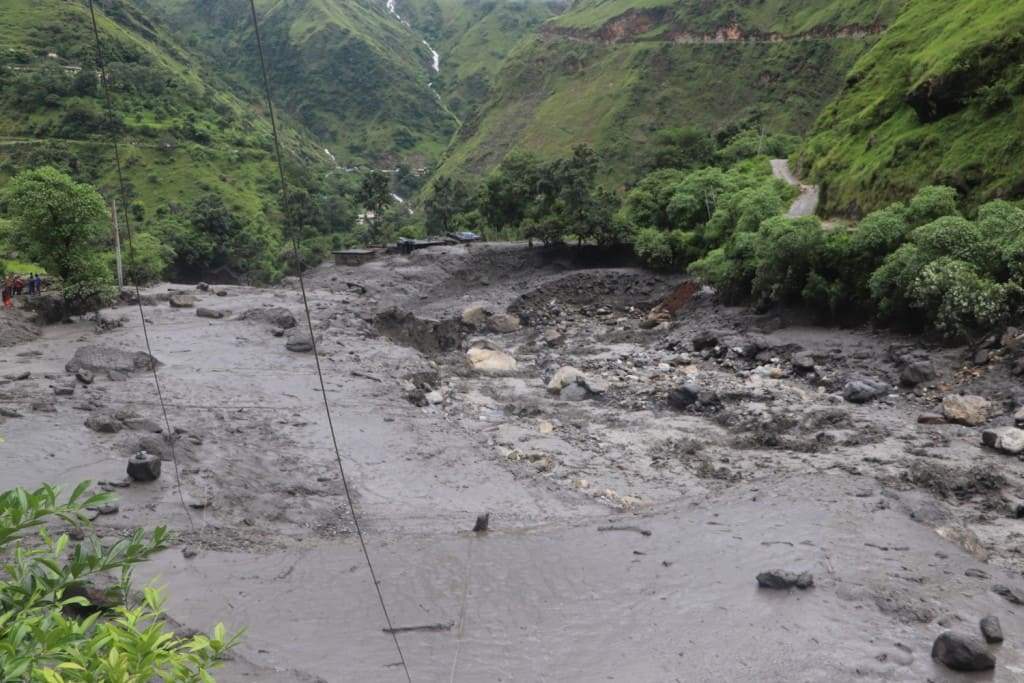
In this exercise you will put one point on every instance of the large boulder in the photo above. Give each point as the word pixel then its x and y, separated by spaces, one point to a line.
pixel 863 390
pixel 781 579
pixel 917 372
pixel 966 409
pixel 962 652
pixel 211 313
pixel 490 361
pixel 300 343
pixel 1009 440
pixel 103 423
pixel 181 301
pixel 105 359
pixel 503 323
pixel 568 382
pixel 476 316
pixel 278 316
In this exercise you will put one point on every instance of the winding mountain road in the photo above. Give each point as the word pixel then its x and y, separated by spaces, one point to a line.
pixel 806 204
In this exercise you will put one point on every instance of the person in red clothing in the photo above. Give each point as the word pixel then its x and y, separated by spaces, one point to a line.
pixel 8 292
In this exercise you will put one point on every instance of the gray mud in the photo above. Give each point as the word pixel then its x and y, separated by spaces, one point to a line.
pixel 905 526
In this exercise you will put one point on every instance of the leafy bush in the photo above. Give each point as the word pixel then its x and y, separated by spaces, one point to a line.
pixel 653 248
pixel 958 299
pixel 41 591
pixel 931 203
pixel 786 252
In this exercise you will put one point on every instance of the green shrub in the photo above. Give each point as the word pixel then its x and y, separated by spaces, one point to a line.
pixel 931 203
pixel 951 236
pixel 958 300
pixel 786 252
pixel 890 283
pixel 40 587
pixel 653 248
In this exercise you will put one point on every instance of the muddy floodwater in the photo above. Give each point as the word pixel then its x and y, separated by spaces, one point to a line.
pixel 633 501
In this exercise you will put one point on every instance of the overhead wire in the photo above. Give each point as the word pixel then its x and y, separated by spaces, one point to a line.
pixel 101 63
pixel 312 336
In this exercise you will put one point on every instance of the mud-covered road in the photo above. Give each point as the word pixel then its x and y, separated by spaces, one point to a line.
pixel 633 501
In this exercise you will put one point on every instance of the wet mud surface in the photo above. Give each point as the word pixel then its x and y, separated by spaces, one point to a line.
pixel 632 503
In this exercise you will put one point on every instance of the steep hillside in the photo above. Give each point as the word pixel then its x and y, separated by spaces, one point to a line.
pixel 939 99
pixel 612 73
pixel 349 71
pixel 473 38
pixel 187 133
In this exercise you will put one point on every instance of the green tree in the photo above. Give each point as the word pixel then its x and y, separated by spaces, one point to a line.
pixel 62 225
pixel 41 586
pixel 375 196
pixel 510 191
pixel 449 198
pixel 682 148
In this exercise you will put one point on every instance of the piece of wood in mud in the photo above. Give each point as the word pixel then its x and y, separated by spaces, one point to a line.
pixel 447 626
pixel 642 532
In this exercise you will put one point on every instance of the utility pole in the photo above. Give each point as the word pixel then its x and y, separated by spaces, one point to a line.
pixel 117 245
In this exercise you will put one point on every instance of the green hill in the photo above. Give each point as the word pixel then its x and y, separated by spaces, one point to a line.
pixel 614 72
pixel 186 132
pixel 348 71
pixel 938 100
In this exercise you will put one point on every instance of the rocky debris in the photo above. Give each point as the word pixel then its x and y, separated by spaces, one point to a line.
pixel 931 419
pixel 203 287
pixel 917 372
pixel 18 376
pixel 991 629
pixel 116 376
pixel 105 324
pixel 9 412
pixel 104 423
pixel 1009 440
pixel 704 340
pixel 143 466
pixel 99 599
pixel 781 579
pixel 961 483
pixel 44 407
pixel 1010 594
pixel 690 395
pixel 278 316
pixel 107 359
pixel 490 361
pixel 85 376
pixel 181 300
pixel 863 390
pixel 567 381
pixel 966 409
pixel 64 390
pixel 1018 417
pixel 221 292
pixel 802 362
pixel 299 343
pixel 209 313
pixel 962 652
pixel 483 522
pixel 424 335
pixel 164 446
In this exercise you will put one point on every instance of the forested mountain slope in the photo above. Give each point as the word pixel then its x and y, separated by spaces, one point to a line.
pixel 938 100
pixel 613 73
pixel 353 74
pixel 186 132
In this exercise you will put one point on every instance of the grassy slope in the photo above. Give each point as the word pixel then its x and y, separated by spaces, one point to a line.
pixel 348 71
pixel 555 91
pixel 473 38
pixel 870 148
pixel 163 167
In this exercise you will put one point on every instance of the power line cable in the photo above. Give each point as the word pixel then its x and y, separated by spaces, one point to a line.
pixel 312 337
pixel 131 254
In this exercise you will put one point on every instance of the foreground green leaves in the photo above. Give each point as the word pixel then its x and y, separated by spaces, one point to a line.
pixel 53 630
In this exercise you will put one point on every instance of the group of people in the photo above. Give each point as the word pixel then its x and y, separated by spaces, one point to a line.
pixel 15 285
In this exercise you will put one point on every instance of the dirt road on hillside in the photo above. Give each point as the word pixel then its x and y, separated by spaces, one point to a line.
pixel 806 204
pixel 629 518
